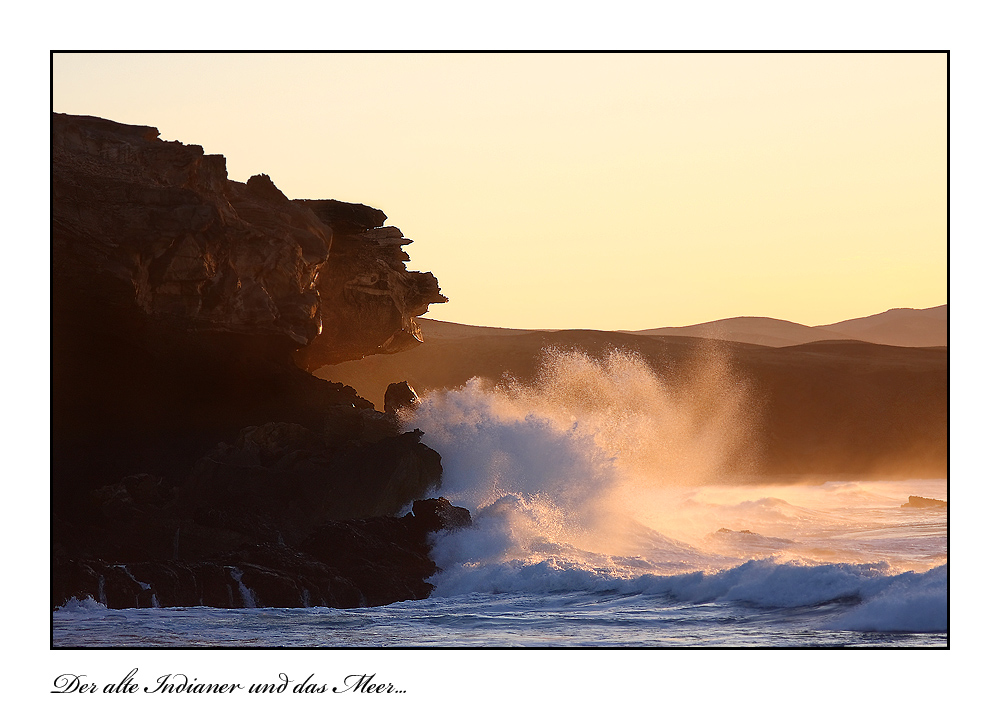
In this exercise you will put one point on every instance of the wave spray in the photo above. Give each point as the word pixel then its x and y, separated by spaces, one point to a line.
pixel 605 475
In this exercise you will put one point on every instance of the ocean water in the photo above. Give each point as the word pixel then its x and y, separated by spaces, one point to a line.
pixel 609 510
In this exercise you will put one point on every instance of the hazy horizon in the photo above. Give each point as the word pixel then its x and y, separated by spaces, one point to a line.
pixel 681 326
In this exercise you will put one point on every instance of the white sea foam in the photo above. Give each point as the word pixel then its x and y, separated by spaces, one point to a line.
pixel 604 476
pixel 85 604
pixel 911 603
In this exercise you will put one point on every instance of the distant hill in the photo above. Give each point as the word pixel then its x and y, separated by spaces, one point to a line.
pixel 435 330
pixel 750 330
pixel 897 327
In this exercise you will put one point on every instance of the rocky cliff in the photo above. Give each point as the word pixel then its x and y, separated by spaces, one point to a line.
pixel 185 309
pixel 167 233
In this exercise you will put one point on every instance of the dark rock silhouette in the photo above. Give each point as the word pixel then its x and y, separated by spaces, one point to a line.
pixel 289 481
pixel 919 502
pixel 190 451
pixel 356 562
pixel 399 395
pixel 433 515
pixel 158 226
pixel 181 299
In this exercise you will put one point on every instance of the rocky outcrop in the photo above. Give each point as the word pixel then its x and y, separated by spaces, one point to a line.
pixel 168 233
pixel 399 395
pixel 279 482
pixel 358 562
pixel 189 444
pixel 181 300
pixel 305 517
pixel 376 298
pixel 919 502
pixel 433 515
pixel 164 230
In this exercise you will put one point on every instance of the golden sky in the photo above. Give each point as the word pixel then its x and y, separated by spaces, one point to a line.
pixel 604 191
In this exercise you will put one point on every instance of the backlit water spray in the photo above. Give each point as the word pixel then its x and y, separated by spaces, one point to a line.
pixel 603 474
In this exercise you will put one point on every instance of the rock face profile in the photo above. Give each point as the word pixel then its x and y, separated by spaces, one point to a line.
pixel 187 434
pixel 165 232
pixel 373 298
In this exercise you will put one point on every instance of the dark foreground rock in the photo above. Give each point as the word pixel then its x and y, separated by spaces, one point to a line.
pixel 284 516
pixel 183 303
pixel 192 454
pixel 342 564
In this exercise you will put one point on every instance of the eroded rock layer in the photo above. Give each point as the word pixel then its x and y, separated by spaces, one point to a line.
pixel 377 299
pixel 161 225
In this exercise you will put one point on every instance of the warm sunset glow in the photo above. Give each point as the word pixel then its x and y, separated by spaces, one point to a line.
pixel 608 191
pixel 260 438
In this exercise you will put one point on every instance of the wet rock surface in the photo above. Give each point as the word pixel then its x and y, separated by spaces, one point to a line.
pixel 341 564
pixel 304 518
